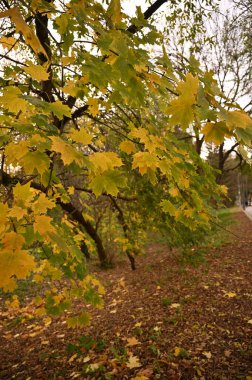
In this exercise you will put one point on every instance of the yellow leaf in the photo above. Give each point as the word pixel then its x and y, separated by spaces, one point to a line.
pixel 37 72
pixel 43 204
pixel 13 241
pixel 73 357
pixel 14 261
pixel 23 195
pixel 93 106
pixel 3 217
pixel 12 101
pixel 238 119
pixel 175 305
pixel 114 11
pixel 70 190
pixel 215 132
pixel 8 42
pixel 177 351
pixel 81 136
pixel 181 109
pixel 144 161
pixel 67 60
pixel 127 146
pixel 59 109
pixel 132 342
pixel 67 151
pixel 174 192
pixel 208 355
pixel 133 362
pixel 21 27
pixel 230 294
pixel 103 161
pixel 42 225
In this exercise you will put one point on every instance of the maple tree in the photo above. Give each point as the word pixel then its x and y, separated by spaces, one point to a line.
pixel 88 130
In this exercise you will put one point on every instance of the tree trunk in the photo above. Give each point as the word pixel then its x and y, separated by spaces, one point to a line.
pixel 77 215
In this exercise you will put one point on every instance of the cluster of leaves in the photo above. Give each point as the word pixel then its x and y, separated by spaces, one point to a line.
pixel 89 122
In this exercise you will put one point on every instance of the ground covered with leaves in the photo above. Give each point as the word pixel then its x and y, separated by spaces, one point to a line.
pixel 173 318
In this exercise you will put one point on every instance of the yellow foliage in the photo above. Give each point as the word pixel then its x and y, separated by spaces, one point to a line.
pixel 21 27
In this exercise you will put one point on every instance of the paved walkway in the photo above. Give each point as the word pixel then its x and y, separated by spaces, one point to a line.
pixel 248 211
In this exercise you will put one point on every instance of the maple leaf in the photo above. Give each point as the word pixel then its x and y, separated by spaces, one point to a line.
pixel 42 225
pixel 21 27
pixel 68 153
pixel 168 207
pixel 35 161
pixel 215 132
pixel 127 146
pixel 109 182
pixel 144 161
pixel 14 261
pixel 58 108
pixel 93 106
pixel 81 136
pixel 43 204
pixel 181 109
pixel 132 342
pixel 103 161
pixel 23 194
pixel 238 119
pixel 133 362
pixel 8 42
pixel 12 101
pixel 114 11
pixel 37 72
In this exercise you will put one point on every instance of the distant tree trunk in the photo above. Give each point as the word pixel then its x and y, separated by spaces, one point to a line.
pixel 125 228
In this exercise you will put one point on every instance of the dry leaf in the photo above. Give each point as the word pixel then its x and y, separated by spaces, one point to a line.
pixel 132 342
pixel 72 358
pixel 177 351
pixel 133 362
pixel 175 305
pixel 230 294
pixel 208 355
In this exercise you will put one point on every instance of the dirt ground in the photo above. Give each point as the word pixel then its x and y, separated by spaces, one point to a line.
pixel 166 320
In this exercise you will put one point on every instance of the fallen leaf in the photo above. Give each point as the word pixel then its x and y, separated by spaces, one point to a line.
pixel 44 342
pixel 86 359
pixel 138 324
pixel 230 294
pixel 227 353
pixel 72 358
pixel 208 355
pixel 132 342
pixel 133 362
pixel 250 321
pixel 177 351
pixel 175 305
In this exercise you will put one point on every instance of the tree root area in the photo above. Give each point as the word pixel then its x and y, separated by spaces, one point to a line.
pixel 169 319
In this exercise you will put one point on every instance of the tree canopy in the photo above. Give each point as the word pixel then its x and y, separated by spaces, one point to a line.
pixel 90 126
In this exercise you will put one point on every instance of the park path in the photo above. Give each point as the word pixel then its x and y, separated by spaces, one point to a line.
pixel 173 318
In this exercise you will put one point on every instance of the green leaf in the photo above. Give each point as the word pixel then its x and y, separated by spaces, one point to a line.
pixel 114 11
pixel 108 182
pixel 59 109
